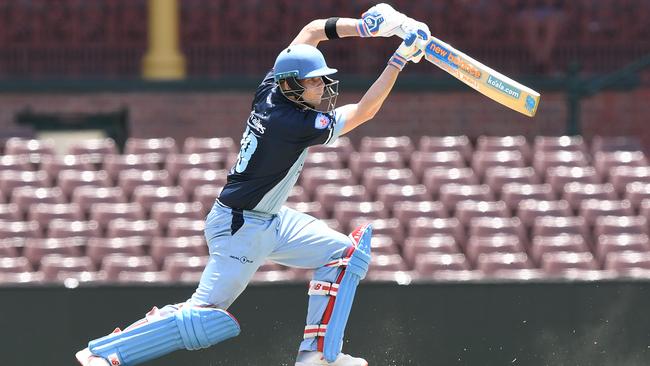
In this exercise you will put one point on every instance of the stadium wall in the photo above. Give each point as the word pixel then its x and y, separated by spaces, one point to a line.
pixel 488 324
pixel 184 114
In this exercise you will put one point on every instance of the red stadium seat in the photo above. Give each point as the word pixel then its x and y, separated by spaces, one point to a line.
pixel 625 261
pixel 22 277
pixel 615 143
pixel 35 249
pixel 390 227
pixel 492 262
pixel 344 212
pixel 103 146
pixel 440 243
pixel 387 263
pixel 593 209
pixel 20 229
pixel 60 228
pixel 607 244
pixel 621 176
pixel 556 263
pixel 330 194
pixel 15 265
pixel 176 163
pixel 18 146
pixel 383 244
pixel 575 193
pixel 15 163
pixel 53 164
pixel 551 226
pixel 114 164
pixel 11 247
pixel 146 196
pixel 483 160
pixel 328 160
pixel 24 197
pixel 542 161
pixel 130 179
pixel 425 227
pixel 298 194
pixel 10 212
pixel 390 194
pixel 313 178
pixel 504 143
pixel 310 208
pixel 43 213
pixel 162 146
pixel 613 225
pixel 435 178
pixel 163 212
pixel 206 195
pixel 375 177
pixel 513 193
pixel 124 228
pixel 115 263
pixel 69 180
pixel 431 263
pixel 143 277
pixel 399 144
pixel 52 265
pixel 490 226
pixel 469 209
pixel 200 145
pixel 162 248
pixel 604 161
pixel 529 210
pixel 359 162
pixel 104 213
pixel 180 227
pixel 178 265
pixel 87 197
pixel 98 248
pixel 499 243
pixel 12 179
pixel 560 176
pixel 637 192
pixel 422 161
pixel 342 147
pixel 544 144
pixel 451 194
pixel 406 211
pixel 570 243
pixel 497 177
pixel 447 143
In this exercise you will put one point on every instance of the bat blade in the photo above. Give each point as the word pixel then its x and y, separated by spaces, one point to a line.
pixel 479 77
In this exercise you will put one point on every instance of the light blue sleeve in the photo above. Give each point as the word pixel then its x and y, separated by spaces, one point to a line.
pixel 337 127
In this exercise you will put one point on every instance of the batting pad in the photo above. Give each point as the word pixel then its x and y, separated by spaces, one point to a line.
pixel 356 271
pixel 188 328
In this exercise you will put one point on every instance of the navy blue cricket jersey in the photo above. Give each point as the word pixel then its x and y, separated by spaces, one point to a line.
pixel 273 149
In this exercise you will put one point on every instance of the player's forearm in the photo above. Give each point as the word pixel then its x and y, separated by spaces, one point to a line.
pixel 372 100
pixel 314 32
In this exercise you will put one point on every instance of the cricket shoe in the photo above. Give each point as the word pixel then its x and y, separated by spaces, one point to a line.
pixel 86 358
pixel 315 358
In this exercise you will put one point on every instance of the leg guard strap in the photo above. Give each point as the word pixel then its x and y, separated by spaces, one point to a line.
pixel 323 288
pixel 354 272
pixel 189 327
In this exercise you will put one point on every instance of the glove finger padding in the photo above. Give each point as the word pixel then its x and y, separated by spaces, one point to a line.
pixel 380 20
pixel 407 51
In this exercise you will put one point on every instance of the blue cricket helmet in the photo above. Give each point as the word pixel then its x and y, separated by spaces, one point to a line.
pixel 303 61
pixel 300 61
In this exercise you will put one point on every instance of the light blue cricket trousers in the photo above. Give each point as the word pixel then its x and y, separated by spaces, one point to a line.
pixel 239 242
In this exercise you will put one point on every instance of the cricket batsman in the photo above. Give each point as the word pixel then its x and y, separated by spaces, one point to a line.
pixel 293 108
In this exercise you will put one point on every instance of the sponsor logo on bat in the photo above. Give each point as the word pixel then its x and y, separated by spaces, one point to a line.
pixel 505 88
pixel 469 81
pixel 530 104
pixel 454 60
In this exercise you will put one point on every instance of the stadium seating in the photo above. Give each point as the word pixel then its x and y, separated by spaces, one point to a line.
pixel 446 209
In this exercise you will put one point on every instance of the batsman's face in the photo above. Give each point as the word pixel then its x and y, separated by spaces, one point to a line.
pixel 314 88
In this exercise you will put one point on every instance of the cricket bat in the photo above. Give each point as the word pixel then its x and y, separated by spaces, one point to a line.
pixel 477 76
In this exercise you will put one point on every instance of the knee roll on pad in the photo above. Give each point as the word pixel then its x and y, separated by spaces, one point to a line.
pixel 188 328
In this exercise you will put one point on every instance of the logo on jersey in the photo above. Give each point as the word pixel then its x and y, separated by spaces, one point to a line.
pixel 242 260
pixel 256 123
pixel 322 121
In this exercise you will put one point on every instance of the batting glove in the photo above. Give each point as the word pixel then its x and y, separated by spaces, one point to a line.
pixel 409 50
pixel 380 20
